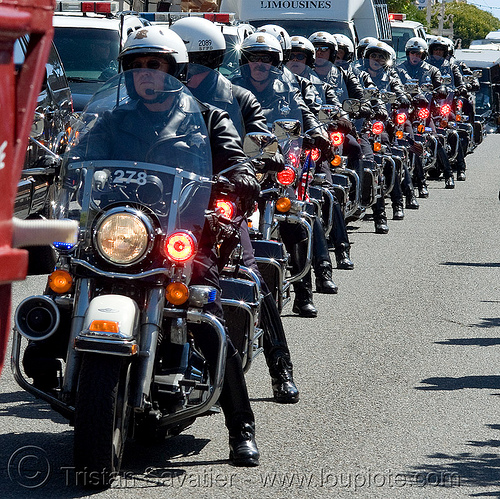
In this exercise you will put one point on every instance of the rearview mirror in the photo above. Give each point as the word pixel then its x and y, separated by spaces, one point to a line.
pixel 287 129
pixel 258 144
pixel 351 106
pixel 328 113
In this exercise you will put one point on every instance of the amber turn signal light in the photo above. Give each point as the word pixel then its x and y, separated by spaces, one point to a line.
pixel 283 205
pixel 177 293
pixel 60 281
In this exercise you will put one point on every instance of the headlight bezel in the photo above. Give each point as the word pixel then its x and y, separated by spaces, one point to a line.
pixel 132 212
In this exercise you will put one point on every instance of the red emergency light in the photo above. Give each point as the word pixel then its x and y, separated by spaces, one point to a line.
pixel 219 17
pixel 397 17
pixel 97 7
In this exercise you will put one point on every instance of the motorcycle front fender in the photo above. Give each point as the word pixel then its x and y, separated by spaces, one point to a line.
pixel 110 326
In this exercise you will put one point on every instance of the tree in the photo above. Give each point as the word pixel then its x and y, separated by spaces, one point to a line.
pixel 407 7
pixel 469 22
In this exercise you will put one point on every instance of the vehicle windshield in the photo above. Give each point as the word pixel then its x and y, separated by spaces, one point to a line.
pixel 231 56
pixel 88 54
pixel 483 99
pixel 399 38
pixel 300 27
pixel 128 155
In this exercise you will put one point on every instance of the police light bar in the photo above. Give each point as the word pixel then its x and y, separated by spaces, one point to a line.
pixel 397 17
pixel 100 7
pixel 171 17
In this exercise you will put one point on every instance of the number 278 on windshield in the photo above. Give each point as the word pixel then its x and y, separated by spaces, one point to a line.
pixel 129 177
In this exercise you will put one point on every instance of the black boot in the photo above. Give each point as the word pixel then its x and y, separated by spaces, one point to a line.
pixel 303 304
pixel 277 353
pixel 242 447
pixel 423 191
pixel 238 414
pixel 322 262
pixel 411 202
pixel 343 257
pixel 379 216
pixel 284 389
pixel 461 176
pixel 397 211
pixel 324 282
pixel 449 183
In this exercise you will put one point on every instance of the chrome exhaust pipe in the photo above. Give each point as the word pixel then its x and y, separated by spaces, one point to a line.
pixel 37 317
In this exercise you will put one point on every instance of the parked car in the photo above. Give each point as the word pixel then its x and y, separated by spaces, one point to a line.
pixel 49 137
pixel 89 44
pixel 488 97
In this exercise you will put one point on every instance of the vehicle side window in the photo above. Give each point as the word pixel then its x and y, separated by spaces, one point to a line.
pixel 55 71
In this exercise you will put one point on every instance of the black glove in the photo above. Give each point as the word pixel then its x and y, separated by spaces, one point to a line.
pixel 441 92
pixel 381 114
pixel 365 110
pixel 345 126
pixel 322 143
pixel 274 164
pixel 404 101
pixel 421 101
pixel 462 90
pixel 245 184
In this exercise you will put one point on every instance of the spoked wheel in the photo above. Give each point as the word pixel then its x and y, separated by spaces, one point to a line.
pixel 101 418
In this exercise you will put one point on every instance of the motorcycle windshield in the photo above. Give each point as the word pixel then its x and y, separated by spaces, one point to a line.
pixel 143 144
pixel 278 93
pixel 210 87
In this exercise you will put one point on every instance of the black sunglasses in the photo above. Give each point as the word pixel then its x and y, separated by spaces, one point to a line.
pixel 298 56
pixel 266 59
pixel 322 49
pixel 151 64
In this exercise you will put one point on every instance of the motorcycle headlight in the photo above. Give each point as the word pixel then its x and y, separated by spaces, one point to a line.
pixel 122 237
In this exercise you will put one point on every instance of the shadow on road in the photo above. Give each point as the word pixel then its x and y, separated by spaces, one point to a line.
pixel 448 383
pixel 472 264
pixel 482 342
pixel 23 405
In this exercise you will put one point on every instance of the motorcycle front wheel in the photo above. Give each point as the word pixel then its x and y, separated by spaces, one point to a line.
pixel 102 415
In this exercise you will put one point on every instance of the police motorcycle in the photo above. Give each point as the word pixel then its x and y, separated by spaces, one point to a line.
pixel 278 202
pixel 240 287
pixel 474 130
pixel 112 340
pixel 420 111
pixel 443 117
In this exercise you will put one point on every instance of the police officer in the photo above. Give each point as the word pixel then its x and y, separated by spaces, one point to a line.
pixel 151 51
pixel 378 63
pixel 213 88
pixel 438 57
pixel 416 68
pixel 261 54
pixel 301 63
pixel 348 85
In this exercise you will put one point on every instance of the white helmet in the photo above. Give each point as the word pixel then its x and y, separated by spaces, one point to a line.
pixel 451 45
pixel 260 43
pixel 281 35
pixel 417 44
pixel 160 41
pixel 302 44
pixel 324 39
pixel 345 43
pixel 363 43
pixel 204 40
pixel 439 42
pixel 382 48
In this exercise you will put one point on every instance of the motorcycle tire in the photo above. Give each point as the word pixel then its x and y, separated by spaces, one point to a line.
pixel 102 414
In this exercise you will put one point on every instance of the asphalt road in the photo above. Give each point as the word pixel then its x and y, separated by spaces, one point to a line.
pixel 398 377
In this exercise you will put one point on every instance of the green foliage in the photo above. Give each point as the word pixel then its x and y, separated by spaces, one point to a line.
pixel 407 7
pixel 469 22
